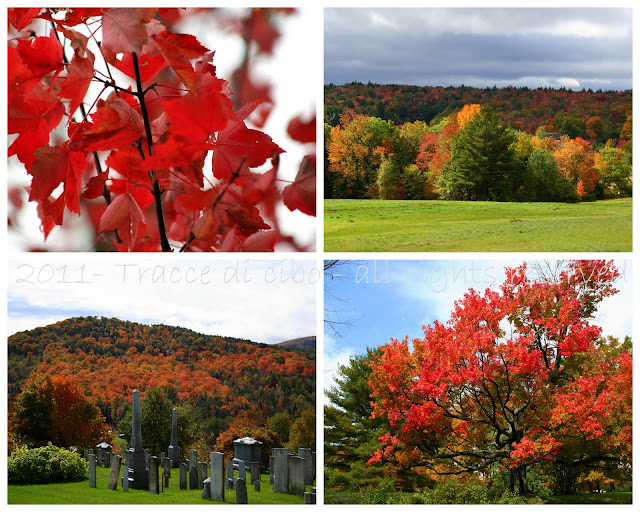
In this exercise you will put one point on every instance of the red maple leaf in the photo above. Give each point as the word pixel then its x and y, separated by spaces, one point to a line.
pixel 177 49
pixel 55 165
pixel 126 217
pixel 301 194
pixel 238 144
pixel 124 30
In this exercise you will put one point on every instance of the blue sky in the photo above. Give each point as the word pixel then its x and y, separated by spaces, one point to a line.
pixel 257 300
pixel 373 301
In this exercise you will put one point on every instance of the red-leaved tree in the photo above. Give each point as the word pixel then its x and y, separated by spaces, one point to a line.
pixel 163 157
pixel 516 377
pixel 54 409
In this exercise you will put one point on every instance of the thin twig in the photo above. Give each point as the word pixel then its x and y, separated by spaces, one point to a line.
pixel 192 237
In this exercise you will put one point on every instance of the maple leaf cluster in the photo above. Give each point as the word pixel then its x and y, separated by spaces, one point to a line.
pixel 134 163
pixel 516 377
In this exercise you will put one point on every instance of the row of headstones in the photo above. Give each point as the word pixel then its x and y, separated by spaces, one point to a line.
pixel 103 457
pixel 213 487
pixel 290 473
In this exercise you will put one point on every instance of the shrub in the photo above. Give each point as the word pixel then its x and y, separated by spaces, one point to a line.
pixel 456 492
pixel 45 464
pixel 510 498
pixel 383 493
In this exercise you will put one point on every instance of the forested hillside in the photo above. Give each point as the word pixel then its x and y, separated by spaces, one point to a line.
pixel 218 378
pixel 473 154
pixel 568 112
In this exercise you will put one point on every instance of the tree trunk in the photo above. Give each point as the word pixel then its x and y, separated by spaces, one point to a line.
pixel 518 476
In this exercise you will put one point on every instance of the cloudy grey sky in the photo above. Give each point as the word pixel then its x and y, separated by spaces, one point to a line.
pixel 577 48
pixel 267 301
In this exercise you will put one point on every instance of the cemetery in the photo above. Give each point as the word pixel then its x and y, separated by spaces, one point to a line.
pixel 138 476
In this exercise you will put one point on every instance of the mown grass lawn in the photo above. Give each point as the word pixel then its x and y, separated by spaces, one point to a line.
pixel 471 226
pixel 81 493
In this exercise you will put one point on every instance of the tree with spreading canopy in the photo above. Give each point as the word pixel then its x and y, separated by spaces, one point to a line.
pixel 54 409
pixel 518 376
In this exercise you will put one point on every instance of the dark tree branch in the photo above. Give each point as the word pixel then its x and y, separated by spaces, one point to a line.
pixel 157 193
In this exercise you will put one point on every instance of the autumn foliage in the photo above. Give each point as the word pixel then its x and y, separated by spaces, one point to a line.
pixel 215 378
pixel 163 157
pixel 518 376
pixel 54 409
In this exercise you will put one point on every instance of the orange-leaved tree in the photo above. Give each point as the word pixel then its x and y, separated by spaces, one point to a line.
pixel 54 409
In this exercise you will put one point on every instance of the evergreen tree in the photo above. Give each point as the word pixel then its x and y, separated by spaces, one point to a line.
pixel 483 165
pixel 349 432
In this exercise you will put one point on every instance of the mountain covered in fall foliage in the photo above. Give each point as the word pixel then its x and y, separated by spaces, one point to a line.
pixel 110 358
pixel 307 342
pixel 561 110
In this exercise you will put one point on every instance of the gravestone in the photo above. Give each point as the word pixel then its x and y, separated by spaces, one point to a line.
pixel 92 470
pixel 104 453
pixel 174 450
pixel 241 491
pixel 183 476
pixel 228 483
pixel 202 468
pixel 242 471
pixel 154 480
pixel 247 450
pixel 193 469
pixel 114 474
pixel 167 470
pixel 216 469
pixel 271 469
pixel 193 478
pixel 125 477
pixel 296 475
pixel 281 470
pixel 255 472
pixel 137 463
pixel 309 498
pixel 309 462
pixel 256 486
pixel 162 457
pixel 86 455
pixel 230 469
pixel 206 491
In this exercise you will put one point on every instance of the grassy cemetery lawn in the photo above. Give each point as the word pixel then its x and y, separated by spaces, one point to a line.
pixel 471 226
pixel 81 493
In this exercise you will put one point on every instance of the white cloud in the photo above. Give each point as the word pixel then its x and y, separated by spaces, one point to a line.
pixel 335 353
pixel 382 21
pixel 250 299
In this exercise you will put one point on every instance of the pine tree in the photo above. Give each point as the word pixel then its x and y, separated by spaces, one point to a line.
pixel 483 166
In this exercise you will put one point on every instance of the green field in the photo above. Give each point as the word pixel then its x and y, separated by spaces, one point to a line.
pixel 469 226
pixel 81 493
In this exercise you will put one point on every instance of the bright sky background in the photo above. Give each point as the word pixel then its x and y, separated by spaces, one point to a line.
pixel 256 300
pixel 548 47
pixel 295 75
pixel 401 296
